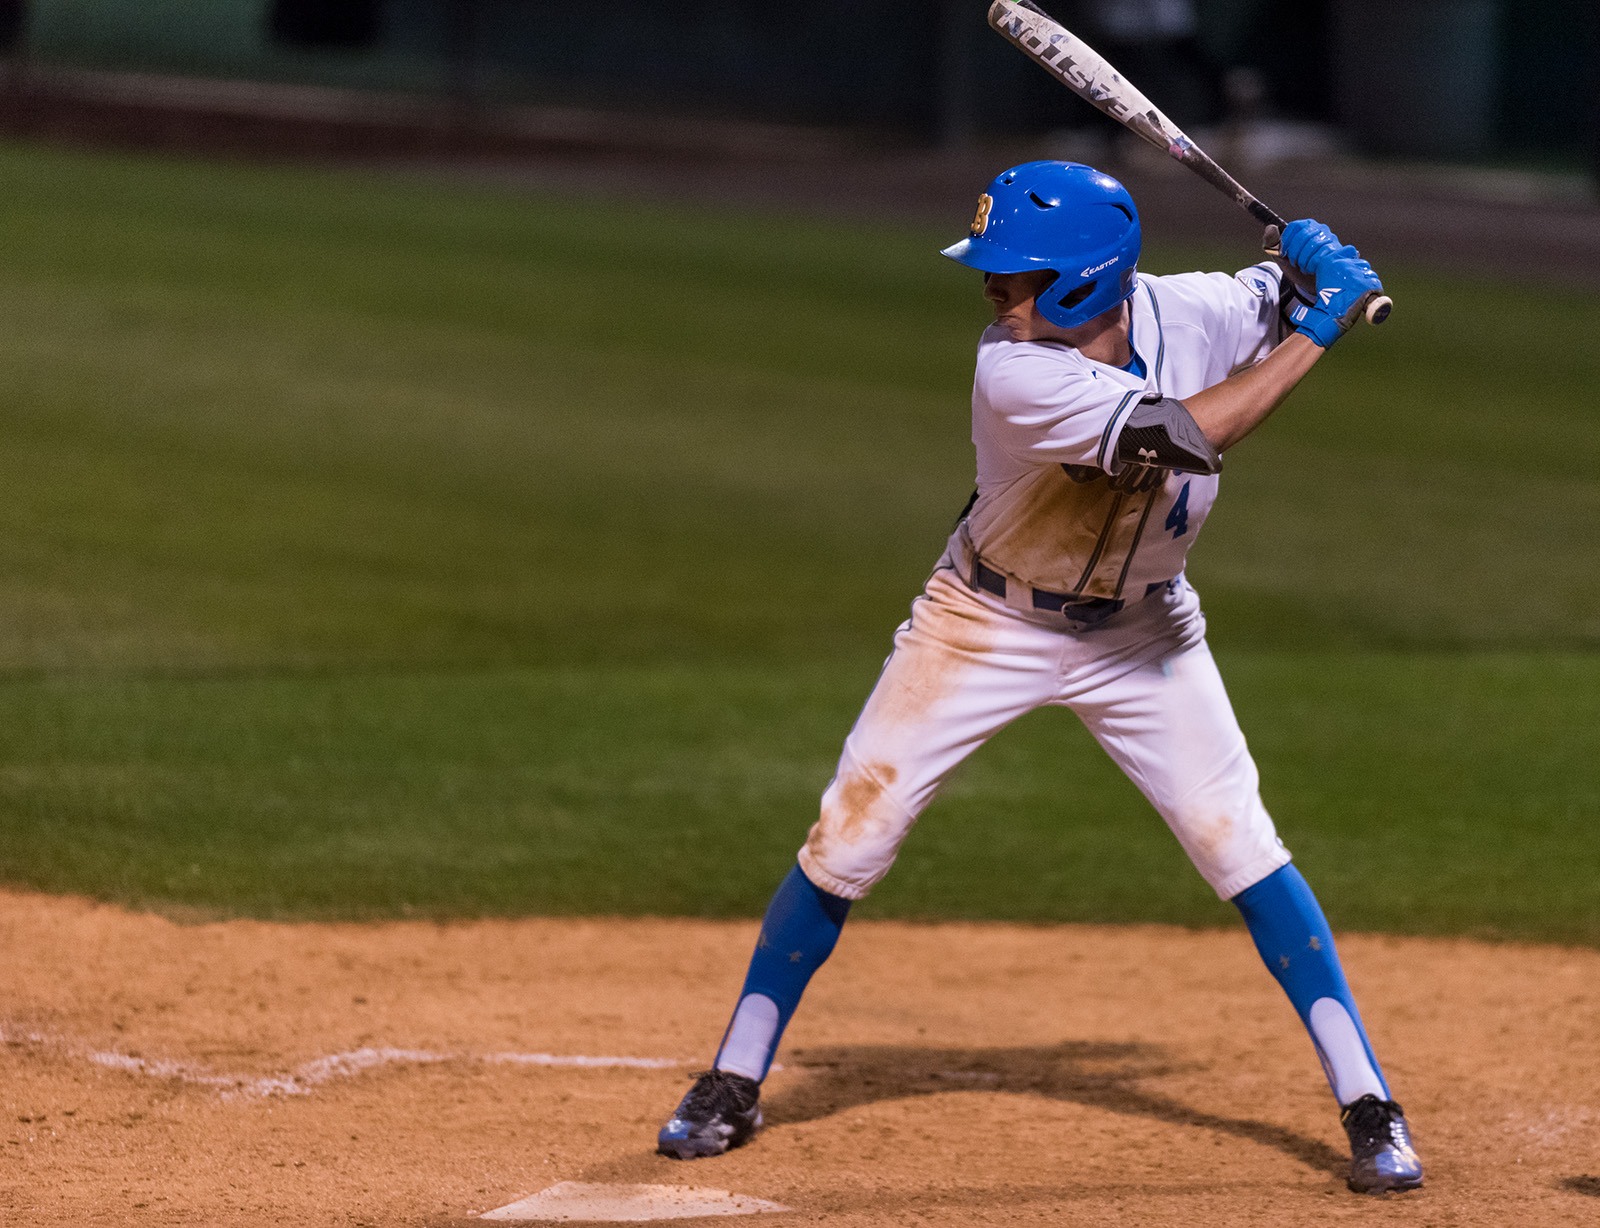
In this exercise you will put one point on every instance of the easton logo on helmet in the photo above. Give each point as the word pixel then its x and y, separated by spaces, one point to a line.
pixel 1098 267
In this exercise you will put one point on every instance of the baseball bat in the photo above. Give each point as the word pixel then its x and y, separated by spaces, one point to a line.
pixel 1085 72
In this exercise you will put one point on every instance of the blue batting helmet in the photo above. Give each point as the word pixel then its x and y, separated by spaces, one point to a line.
pixel 1063 217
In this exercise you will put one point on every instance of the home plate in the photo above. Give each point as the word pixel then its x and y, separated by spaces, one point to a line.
pixel 575 1201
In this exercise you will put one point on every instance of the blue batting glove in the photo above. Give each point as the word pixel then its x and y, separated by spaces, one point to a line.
pixel 1306 244
pixel 1344 281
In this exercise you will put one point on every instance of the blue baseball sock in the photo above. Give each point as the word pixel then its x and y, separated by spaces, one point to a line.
pixel 797 935
pixel 1293 937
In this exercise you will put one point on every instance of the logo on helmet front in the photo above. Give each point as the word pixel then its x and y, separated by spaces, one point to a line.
pixel 981 222
pixel 1098 267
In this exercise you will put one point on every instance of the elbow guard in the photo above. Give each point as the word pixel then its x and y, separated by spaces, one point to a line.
pixel 1160 432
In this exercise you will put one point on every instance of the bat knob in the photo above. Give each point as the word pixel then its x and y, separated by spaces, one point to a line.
pixel 1378 309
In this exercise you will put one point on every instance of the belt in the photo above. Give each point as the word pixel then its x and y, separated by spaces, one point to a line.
pixel 1089 611
pixel 1084 612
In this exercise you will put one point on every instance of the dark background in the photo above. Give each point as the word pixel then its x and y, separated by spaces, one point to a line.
pixel 1458 80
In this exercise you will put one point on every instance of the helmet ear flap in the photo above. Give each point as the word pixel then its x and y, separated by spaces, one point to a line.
pixel 1072 305
pixel 1078 295
pixel 1057 307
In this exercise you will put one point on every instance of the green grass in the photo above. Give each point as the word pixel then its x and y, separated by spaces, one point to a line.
pixel 684 789
pixel 370 546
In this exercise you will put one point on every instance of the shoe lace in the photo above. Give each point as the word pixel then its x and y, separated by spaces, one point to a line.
pixel 716 1092
pixel 1374 1124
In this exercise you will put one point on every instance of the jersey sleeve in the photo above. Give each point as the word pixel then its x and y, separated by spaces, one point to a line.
pixel 1251 315
pixel 1044 409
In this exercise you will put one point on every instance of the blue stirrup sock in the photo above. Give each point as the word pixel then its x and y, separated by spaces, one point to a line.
pixel 1293 937
pixel 797 935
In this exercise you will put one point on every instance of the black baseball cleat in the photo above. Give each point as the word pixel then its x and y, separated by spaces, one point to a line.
pixel 1381 1155
pixel 722 1110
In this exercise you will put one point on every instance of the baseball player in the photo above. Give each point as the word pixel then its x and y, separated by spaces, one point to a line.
pixel 1101 402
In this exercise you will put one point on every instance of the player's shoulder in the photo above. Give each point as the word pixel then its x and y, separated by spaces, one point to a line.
pixel 999 354
pixel 1025 371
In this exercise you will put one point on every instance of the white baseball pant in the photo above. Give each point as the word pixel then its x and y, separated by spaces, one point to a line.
pixel 965 665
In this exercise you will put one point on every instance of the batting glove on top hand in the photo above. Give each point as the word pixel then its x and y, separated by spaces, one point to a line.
pixel 1344 281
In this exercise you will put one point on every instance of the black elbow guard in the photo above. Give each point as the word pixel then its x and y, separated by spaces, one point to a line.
pixel 1161 433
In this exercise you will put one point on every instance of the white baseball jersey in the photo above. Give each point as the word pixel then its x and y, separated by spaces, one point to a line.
pixel 1054 508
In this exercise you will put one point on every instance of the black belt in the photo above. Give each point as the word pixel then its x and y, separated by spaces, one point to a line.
pixel 1089 611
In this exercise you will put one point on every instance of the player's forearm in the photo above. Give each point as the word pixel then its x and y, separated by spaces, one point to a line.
pixel 1229 411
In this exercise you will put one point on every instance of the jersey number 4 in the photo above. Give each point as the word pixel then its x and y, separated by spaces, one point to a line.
pixel 1178 517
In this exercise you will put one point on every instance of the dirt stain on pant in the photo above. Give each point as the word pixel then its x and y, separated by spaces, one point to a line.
pixel 864 816
pixel 856 809
pixel 855 799
pixel 1210 838
pixel 948 635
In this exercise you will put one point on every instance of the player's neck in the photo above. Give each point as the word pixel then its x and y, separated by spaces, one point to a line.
pixel 1104 338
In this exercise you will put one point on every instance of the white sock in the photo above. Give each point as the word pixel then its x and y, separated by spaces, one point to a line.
pixel 751 1037
pixel 1344 1056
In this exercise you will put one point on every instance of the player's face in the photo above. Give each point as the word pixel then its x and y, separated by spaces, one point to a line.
pixel 1012 296
pixel 1014 299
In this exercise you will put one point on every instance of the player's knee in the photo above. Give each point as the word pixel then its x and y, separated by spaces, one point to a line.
pixel 859 831
pixel 1231 841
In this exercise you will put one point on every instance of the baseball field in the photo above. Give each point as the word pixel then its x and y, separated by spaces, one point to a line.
pixel 429 615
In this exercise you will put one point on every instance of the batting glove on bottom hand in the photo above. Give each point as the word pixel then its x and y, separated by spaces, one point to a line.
pixel 1344 281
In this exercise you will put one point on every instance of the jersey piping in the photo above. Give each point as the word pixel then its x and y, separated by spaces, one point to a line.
pixel 1100 544
pixel 1138 534
pixel 1161 335
pixel 1109 527
pixel 1114 426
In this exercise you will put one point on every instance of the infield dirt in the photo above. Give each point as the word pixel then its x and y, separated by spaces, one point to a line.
pixel 158 1073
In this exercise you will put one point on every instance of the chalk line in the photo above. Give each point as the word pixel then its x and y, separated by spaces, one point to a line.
pixel 308 1076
